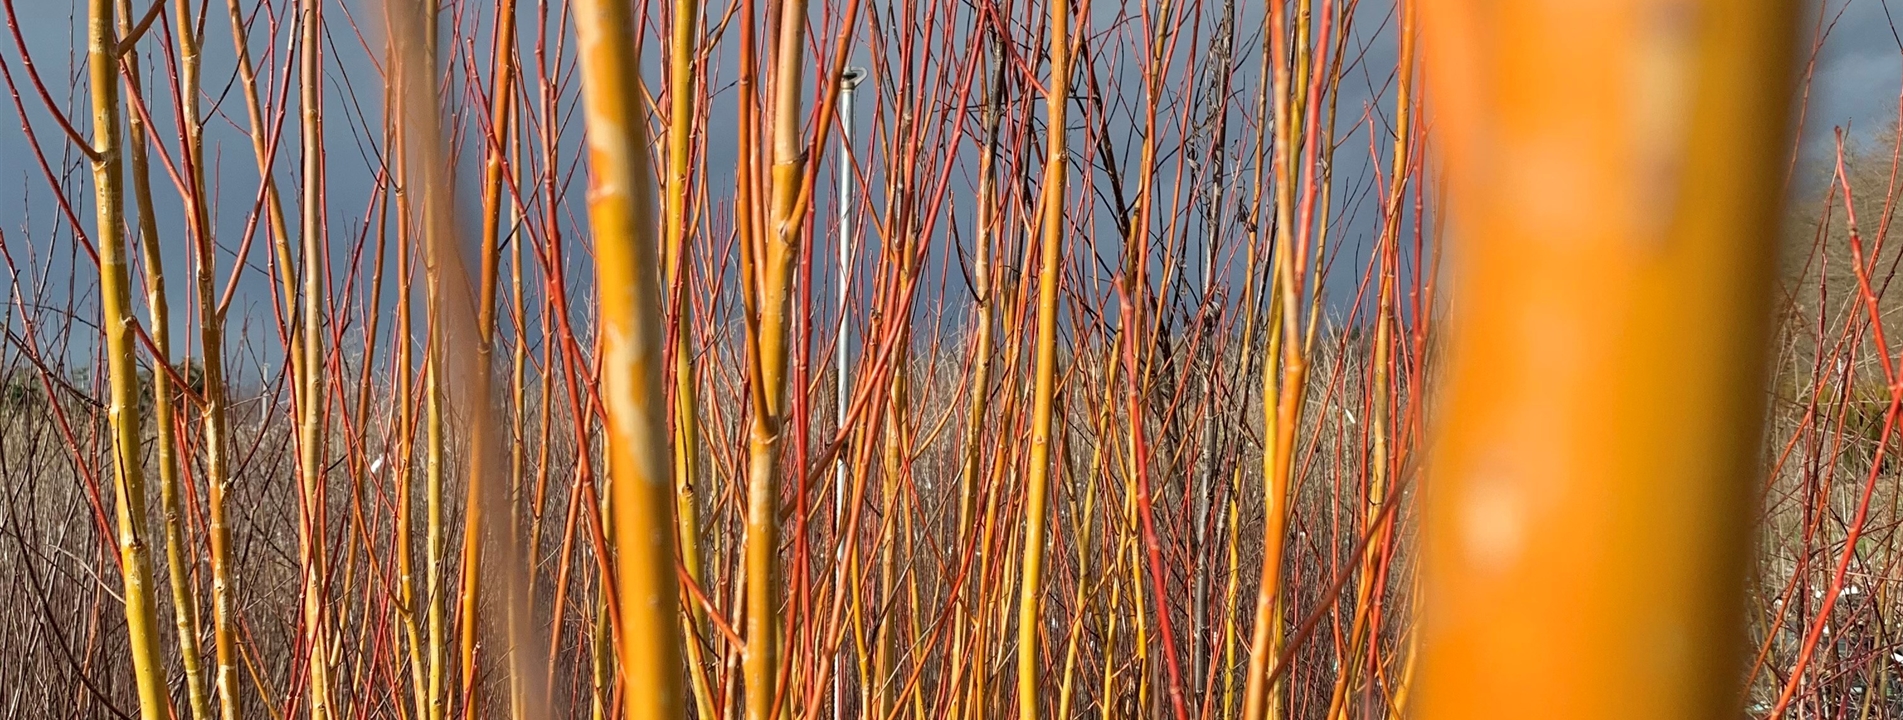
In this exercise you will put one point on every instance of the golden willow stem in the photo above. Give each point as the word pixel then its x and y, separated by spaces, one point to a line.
pixel 1387 251
pixel 1044 392
pixel 213 417
pixel 419 77
pixel 686 424
pixel 983 348
pixel 896 441
pixel 165 433
pixel 1086 592
pixel 1281 403
pixel 621 211
pixel 224 614
pixel 766 437
pixel 460 374
pixel 502 115
pixel 520 612
pixel 409 635
pixel 1615 168
pixel 115 308
pixel 436 615
pixel 522 608
pixel 211 338
pixel 311 432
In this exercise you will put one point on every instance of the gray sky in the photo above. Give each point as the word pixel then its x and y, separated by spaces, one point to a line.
pixel 1859 69
pixel 1858 78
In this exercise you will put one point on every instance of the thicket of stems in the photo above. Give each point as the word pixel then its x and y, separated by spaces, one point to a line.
pixel 1144 321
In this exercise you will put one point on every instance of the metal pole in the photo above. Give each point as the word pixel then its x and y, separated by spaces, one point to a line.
pixel 848 84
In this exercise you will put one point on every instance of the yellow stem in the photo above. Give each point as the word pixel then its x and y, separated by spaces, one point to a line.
pixel 641 498
pixel 1595 478
pixel 115 307
pixel 1043 396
